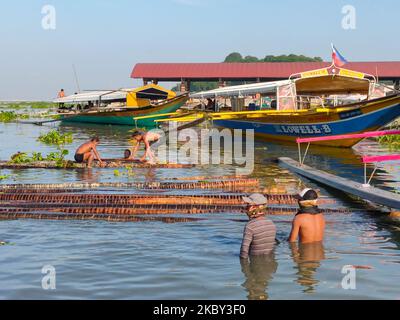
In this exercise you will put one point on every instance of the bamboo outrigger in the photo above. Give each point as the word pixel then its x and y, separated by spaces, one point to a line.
pixel 362 190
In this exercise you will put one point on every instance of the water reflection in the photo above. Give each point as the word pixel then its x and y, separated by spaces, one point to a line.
pixel 258 272
pixel 307 257
pixel 87 175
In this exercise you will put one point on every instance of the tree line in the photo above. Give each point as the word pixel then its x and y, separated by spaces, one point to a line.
pixel 238 58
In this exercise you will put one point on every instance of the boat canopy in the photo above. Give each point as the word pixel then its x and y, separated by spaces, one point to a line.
pixel 242 90
pixel 321 81
pixel 332 84
pixel 95 96
pixel 133 97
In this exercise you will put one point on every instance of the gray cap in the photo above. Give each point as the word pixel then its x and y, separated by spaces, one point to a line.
pixel 255 199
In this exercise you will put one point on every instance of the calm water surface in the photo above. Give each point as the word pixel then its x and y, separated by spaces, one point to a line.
pixel 197 259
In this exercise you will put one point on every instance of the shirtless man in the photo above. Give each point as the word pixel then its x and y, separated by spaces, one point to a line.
pixel 148 138
pixel 87 152
pixel 309 222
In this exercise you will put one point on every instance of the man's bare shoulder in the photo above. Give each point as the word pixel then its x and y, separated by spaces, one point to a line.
pixel 308 216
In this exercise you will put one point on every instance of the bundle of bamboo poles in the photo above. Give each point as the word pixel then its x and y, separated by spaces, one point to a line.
pixel 75 201
pixel 109 163
pixel 231 185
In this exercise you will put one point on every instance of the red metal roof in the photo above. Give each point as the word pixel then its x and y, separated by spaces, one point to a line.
pixel 263 70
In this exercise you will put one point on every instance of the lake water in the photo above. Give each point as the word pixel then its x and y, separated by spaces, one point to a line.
pixel 198 259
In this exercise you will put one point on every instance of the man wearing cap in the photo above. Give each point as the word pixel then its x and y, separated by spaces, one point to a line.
pixel 309 223
pixel 259 233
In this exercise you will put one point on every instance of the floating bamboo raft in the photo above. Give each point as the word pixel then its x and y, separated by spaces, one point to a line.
pixel 135 199
pixel 69 201
pixel 109 163
pixel 231 185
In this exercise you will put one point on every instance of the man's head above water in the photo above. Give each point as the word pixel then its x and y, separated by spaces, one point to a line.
pixel 256 205
pixel 307 197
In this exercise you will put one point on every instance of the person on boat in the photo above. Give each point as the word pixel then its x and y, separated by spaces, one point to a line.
pixel 148 139
pixel 210 104
pixel 87 152
pixel 309 223
pixel 259 233
pixel 60 95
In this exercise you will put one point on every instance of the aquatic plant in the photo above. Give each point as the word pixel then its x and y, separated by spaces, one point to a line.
pixel 128 172
pixel 20 157
pixel 58 157
pixel 29 104
pixel 59 139
pixel 8 116
pixel 3 176
pixel 37 156
pixel 391 141
pixel 55 137
pixel 117 173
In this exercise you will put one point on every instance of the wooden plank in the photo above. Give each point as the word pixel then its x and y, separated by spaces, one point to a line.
pixel 349 136
pixel 370 193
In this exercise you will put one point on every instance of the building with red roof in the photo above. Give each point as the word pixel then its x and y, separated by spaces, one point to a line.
pixel 252 72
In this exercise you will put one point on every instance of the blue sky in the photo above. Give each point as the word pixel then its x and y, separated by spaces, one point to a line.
pixel 105 39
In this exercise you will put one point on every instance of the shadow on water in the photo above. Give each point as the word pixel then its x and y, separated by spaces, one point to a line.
pixel 307 258
pixel 258 272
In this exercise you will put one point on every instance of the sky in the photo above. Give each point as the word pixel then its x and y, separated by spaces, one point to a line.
pixel 105 39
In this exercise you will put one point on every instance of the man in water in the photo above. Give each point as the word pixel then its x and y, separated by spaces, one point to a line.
pixel 148 139
pixel 309 222
pixel 259 233
pixel 87 152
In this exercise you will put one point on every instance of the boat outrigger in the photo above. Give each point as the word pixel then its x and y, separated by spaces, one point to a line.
pixel 121 106
pixel 324 102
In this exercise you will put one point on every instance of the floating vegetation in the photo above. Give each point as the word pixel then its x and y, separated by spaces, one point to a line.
pixel 391 141
pixel 10 116
pixel 20 157
pixel 3 176
pixel 23 158
pixel 55 137
pixel 28 104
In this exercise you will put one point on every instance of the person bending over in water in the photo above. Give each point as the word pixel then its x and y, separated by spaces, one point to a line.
pixel 259 233
pixel 148 138
pixel 309 222
pixel 87 152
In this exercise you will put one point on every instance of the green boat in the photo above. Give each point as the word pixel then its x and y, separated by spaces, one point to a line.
pixel 121 107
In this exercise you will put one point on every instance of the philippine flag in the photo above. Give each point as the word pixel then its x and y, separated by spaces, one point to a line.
pixel 337 58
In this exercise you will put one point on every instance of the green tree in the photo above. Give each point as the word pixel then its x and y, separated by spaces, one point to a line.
pixel 250 59
pixel 234 57
pixel 291 58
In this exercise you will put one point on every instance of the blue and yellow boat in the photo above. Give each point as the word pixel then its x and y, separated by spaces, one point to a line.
pixel 323 102
pixel 122 106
